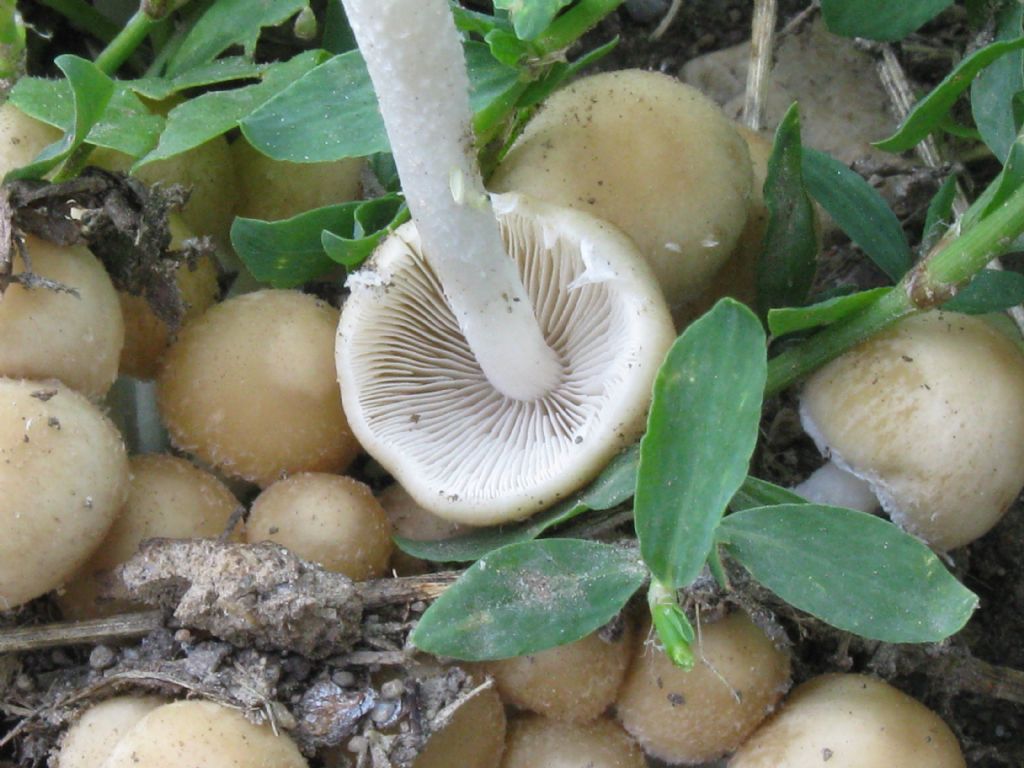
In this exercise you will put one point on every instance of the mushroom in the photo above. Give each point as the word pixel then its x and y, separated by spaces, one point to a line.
pixel 411 521
pixel 88 742
pixel 926 419
pixel 576 682
pixel 537 741
pixel 652 156
pixel 328 519
pixel 473 737
pixel 489 383
pixel 699 715
pixel 851 721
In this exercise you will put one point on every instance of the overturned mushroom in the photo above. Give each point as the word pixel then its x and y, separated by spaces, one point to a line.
pixel 929 418
pixel 489 386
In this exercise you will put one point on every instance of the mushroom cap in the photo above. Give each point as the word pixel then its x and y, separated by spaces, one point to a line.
pixel 63 478
pixel 412 521
pixel 652 156
pixel 89 742
pixel 931 414
pixel 328 519
pixel 851 721
pixel 473 738
pixel 699 715
pixel 419 403
pixel 537 741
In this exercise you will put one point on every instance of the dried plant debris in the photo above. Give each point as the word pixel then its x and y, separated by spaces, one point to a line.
pixel 123 222
pixel 259 595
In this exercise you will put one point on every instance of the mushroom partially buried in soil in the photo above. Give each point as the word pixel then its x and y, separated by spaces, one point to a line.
pixel 537 741
pixel 90 740
pixel 928 418
pixel 491 372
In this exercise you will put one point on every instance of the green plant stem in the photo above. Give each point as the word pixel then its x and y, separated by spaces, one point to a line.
pixel 932 282
pixel 573 24
pixel 124 44
pixel 670 624
pixel 12 43
pixel 84 17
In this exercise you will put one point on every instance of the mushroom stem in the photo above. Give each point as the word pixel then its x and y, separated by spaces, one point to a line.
pixel 835 486
pixel 415 60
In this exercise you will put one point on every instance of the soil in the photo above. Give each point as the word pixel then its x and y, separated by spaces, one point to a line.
pixel 335 670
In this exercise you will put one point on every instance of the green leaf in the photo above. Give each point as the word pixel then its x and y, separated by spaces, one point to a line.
pixel 886 20
pixel 221 71
pixel 786 268
pixel 928 113
pixel 990 290
pixel 993 90
pixel 1008 181
pixel 531 17
pixel 337 35
pixel 761 493
pixel 507 48
pixel 227 23
pixel 560 72
pixel 529 597
pixel 371 223
pixel 792 319
pixel 331 113
pixel 855 571
pixel 125 124
pixel 90 93
pixel 198 120
pixel 940 214
pixel 612 487
pixel 859 211
pixel 701 433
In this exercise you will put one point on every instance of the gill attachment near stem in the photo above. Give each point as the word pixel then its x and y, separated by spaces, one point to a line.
pixel 673 628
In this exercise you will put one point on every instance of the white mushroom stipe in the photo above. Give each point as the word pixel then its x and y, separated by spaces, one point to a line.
pixel 415 60
pixel 833 485
pixel 417 398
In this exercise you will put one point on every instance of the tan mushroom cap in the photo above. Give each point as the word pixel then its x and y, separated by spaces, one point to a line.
pixel 473 738
pixel 250 389
pixel 63 478
pixel 652 156
pixel 89 742
pixel 328 519
pixel 931 414
pixel 419 403
pixel 167 498
pixel 51 334
pixel 201 733
pixel 851 721
pixel 410 520
pixel 699 715
pixel 537 741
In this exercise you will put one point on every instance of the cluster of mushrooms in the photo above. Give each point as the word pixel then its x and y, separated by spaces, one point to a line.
pixel 493 356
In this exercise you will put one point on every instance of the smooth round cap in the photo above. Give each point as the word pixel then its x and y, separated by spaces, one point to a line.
pixel 931 413
pixel 249 388
pixel 91 739
pixel 277 189
pixel 651 155
pixel 22 138
pixel 851 721
pixel 420 404
pixel 51 334
pixel 473 738
pixel 167 498
pixel 411 521
pixel 700 715
pixel 537 742
pixel 146 336
pixel 201 733
pixel 328 519
pixel 63 479
pixel 575 682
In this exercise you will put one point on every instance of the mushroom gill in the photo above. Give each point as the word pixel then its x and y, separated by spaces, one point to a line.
pixel 421 405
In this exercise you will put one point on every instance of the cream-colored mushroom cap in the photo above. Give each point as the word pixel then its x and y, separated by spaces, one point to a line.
pixel 249 387
pixel 63 478
pixel 931 414
pixel 328 519
pixel 53 334
pixel 576 682
pixel 699 715
pixel 652 156
pixel 167 498
pixel 537 741
pixel 201 733
pixel 420 404
pixel 91 739
pixel 473 738
pixel 851 721
pixel 21 138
